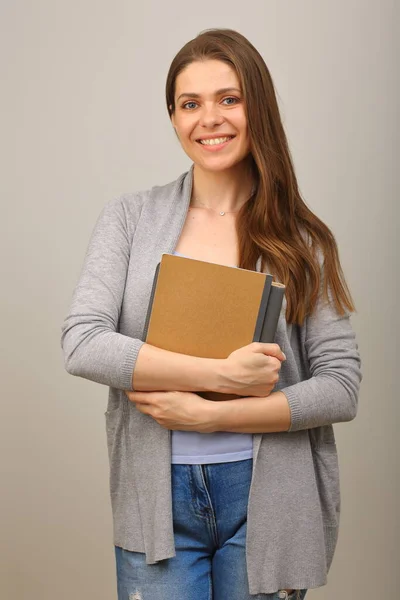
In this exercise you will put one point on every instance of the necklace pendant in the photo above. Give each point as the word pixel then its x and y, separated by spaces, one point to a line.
pixel 222 213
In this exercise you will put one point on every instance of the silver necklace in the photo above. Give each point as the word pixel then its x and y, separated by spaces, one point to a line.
pixel 221 212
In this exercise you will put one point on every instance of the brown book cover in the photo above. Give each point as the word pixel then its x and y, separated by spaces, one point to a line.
pixel 209 310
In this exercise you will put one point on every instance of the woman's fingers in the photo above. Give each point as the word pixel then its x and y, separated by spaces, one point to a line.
pixel 139 397
pixel 269 350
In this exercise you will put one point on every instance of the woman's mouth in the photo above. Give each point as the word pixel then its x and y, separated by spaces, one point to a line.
pixel 215 143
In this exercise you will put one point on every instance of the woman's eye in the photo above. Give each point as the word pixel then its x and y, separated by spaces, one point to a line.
pixel 190 105
pixel 230 100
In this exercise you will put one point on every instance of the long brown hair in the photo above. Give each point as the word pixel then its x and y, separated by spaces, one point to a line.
pixel 298 248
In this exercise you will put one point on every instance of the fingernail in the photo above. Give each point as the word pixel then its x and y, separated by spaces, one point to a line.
pixel 284 356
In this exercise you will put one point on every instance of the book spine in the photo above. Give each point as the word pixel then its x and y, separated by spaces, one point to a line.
pixel 149 309
pixel 263 309
pixel 272 314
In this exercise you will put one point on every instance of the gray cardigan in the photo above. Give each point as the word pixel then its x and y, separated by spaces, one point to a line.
pixel 294 502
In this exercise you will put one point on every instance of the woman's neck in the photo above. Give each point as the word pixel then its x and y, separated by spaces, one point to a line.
pixel 222 190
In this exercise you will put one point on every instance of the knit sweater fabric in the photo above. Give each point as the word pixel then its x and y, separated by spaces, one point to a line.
pixel 294 500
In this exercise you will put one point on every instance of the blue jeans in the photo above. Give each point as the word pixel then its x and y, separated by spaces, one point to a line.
pixel 210 516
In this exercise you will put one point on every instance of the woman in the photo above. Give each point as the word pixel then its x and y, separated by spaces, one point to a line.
pixel 236 499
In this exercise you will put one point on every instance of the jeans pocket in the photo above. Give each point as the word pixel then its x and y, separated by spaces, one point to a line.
pixel 295 595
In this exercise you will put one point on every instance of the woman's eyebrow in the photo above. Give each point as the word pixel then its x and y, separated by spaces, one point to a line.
pixel 217 93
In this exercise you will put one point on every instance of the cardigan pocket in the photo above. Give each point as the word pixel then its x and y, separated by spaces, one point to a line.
pixel 114 421
pixel 331 538
pixel 326 468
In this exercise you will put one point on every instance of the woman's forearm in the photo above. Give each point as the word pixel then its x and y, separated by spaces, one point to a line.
pixel 161 370
pixel 252 415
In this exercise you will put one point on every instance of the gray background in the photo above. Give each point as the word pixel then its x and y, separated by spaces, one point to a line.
pixel 83 120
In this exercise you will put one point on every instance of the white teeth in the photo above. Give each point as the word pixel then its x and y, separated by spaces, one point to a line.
pixel 214 141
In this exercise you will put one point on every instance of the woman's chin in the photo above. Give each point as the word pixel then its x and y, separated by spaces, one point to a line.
pixel 218 165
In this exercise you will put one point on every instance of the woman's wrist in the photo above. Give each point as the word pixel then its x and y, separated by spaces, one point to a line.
pixel 205 374
pixel 219 379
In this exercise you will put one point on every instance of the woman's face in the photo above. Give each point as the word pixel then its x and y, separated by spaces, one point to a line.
pixel 209 115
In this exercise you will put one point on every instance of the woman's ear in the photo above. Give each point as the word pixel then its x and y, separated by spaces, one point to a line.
pixel 172 116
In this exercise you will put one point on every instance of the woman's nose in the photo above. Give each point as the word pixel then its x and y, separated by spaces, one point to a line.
pixel 210 116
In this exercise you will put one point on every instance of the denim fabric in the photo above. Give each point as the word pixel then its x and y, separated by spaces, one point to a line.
pixel 210 518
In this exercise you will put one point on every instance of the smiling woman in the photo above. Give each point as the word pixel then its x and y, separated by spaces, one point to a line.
pixel 210 120
pixel 236 499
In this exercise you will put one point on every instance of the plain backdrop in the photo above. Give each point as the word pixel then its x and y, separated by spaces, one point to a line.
pixel 83 120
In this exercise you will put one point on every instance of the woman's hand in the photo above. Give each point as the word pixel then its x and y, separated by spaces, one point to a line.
pixel 252 370
pixel 183 411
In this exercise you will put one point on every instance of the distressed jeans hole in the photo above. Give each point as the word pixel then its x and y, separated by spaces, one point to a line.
pixel 135 596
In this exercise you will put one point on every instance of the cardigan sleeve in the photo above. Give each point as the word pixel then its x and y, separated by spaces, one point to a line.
pixel 330 395
pixel 92 347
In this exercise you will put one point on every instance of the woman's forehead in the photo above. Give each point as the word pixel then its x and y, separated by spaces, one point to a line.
pixel 206 77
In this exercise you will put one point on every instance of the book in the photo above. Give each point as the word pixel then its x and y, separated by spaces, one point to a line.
pixel 209 310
